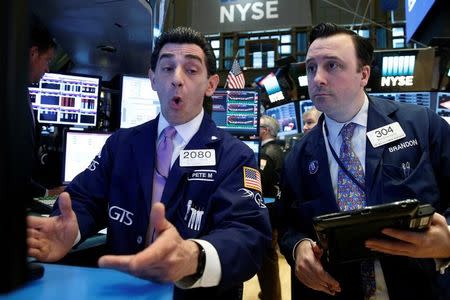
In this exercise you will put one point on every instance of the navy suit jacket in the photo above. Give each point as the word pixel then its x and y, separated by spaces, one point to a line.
pixel 307 192
pixel 205 202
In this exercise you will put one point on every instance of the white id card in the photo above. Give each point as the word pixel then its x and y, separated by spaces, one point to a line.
pixel 197 158
pixel 386 134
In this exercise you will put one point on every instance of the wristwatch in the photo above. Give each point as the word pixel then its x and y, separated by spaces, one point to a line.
pixel 201 260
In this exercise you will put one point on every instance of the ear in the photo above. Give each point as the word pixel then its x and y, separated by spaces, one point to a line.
pixel 213 81
pixel 152 77
pixel 365 74
pixel 34 51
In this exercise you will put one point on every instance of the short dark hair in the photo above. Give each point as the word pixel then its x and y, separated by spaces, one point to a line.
pixel 363 47
pixel 185 35
pixel 40 37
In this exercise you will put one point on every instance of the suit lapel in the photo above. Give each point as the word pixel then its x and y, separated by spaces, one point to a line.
pixel 144 148
pixel 316 150
pixel 377 117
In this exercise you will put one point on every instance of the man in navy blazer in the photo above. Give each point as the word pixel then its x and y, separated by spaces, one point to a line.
pixel 211 224
pixel 414 162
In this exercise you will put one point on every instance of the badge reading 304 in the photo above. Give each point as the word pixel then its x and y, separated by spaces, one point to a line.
pixel 197 158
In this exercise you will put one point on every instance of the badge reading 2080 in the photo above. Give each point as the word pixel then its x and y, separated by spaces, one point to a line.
pixel 197 158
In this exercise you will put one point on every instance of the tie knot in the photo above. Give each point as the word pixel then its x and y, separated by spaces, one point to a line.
pixel 347 131
pixel 169 132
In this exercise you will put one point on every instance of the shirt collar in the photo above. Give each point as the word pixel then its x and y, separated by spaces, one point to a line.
pixel 334 127
pixel 187 130
pixel 266 141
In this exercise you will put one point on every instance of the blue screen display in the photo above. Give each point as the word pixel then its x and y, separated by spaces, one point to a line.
pixel 415 12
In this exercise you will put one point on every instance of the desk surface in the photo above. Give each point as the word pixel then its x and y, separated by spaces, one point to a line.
pixel 74 283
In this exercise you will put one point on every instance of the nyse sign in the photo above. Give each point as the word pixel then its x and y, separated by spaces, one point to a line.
pixel 397 81
pixel 214 16
pixel 256 10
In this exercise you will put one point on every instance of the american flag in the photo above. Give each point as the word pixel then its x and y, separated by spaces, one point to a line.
pixel 235 79
pixel 252 179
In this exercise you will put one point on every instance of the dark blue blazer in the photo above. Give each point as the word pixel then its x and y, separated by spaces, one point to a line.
pixel 115 192
pixel 307 192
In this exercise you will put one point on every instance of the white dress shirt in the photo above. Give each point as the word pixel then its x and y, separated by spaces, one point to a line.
pixel 359 147
pixel 213 271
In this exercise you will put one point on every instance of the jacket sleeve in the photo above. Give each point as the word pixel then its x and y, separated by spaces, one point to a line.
pixel 240 227
pixel 89 192
pixel 440 156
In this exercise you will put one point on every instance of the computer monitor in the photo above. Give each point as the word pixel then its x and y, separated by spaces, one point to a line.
pixel 402 70
pixel 417 98
pixel 236 111
pixel 272 86
pixel 139 102
pixel 254 145
pixel 286 117
pixel 80 148
pixel 66 99
pixel 298 73
pixel 443 105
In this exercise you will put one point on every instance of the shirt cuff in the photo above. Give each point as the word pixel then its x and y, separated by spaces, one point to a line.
pixel 78 238
pixel 442 264
pixel 298 243
pixel 213 271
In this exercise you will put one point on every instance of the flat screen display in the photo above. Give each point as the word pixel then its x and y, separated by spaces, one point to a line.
pixel 402 70
pixel 287 118
pixel 80 148
pixel 443 105
pixel 273 89
pixel 66 99
pixel 417 98
pixel 254 145
pixel 139 102
pixel 236 111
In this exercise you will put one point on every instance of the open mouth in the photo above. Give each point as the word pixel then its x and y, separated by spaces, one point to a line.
pixel 176 101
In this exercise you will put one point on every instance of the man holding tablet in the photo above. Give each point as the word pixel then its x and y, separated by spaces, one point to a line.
pixel 363 152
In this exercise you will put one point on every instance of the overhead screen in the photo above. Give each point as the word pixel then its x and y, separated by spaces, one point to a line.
pixel 415 13
pixel 139 102
pixel 236 111
pixel 66 99
pixel 405 70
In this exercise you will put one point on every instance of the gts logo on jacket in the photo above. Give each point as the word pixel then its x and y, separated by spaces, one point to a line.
pixel 119 214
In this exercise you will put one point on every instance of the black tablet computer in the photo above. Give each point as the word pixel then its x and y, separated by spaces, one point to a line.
pixel 342 235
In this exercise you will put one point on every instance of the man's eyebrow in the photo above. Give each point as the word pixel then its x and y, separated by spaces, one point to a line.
pixel 187 56
pixel 193 56
pixel 324 57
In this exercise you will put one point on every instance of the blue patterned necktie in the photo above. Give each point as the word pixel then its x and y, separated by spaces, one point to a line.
pixel 350 196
